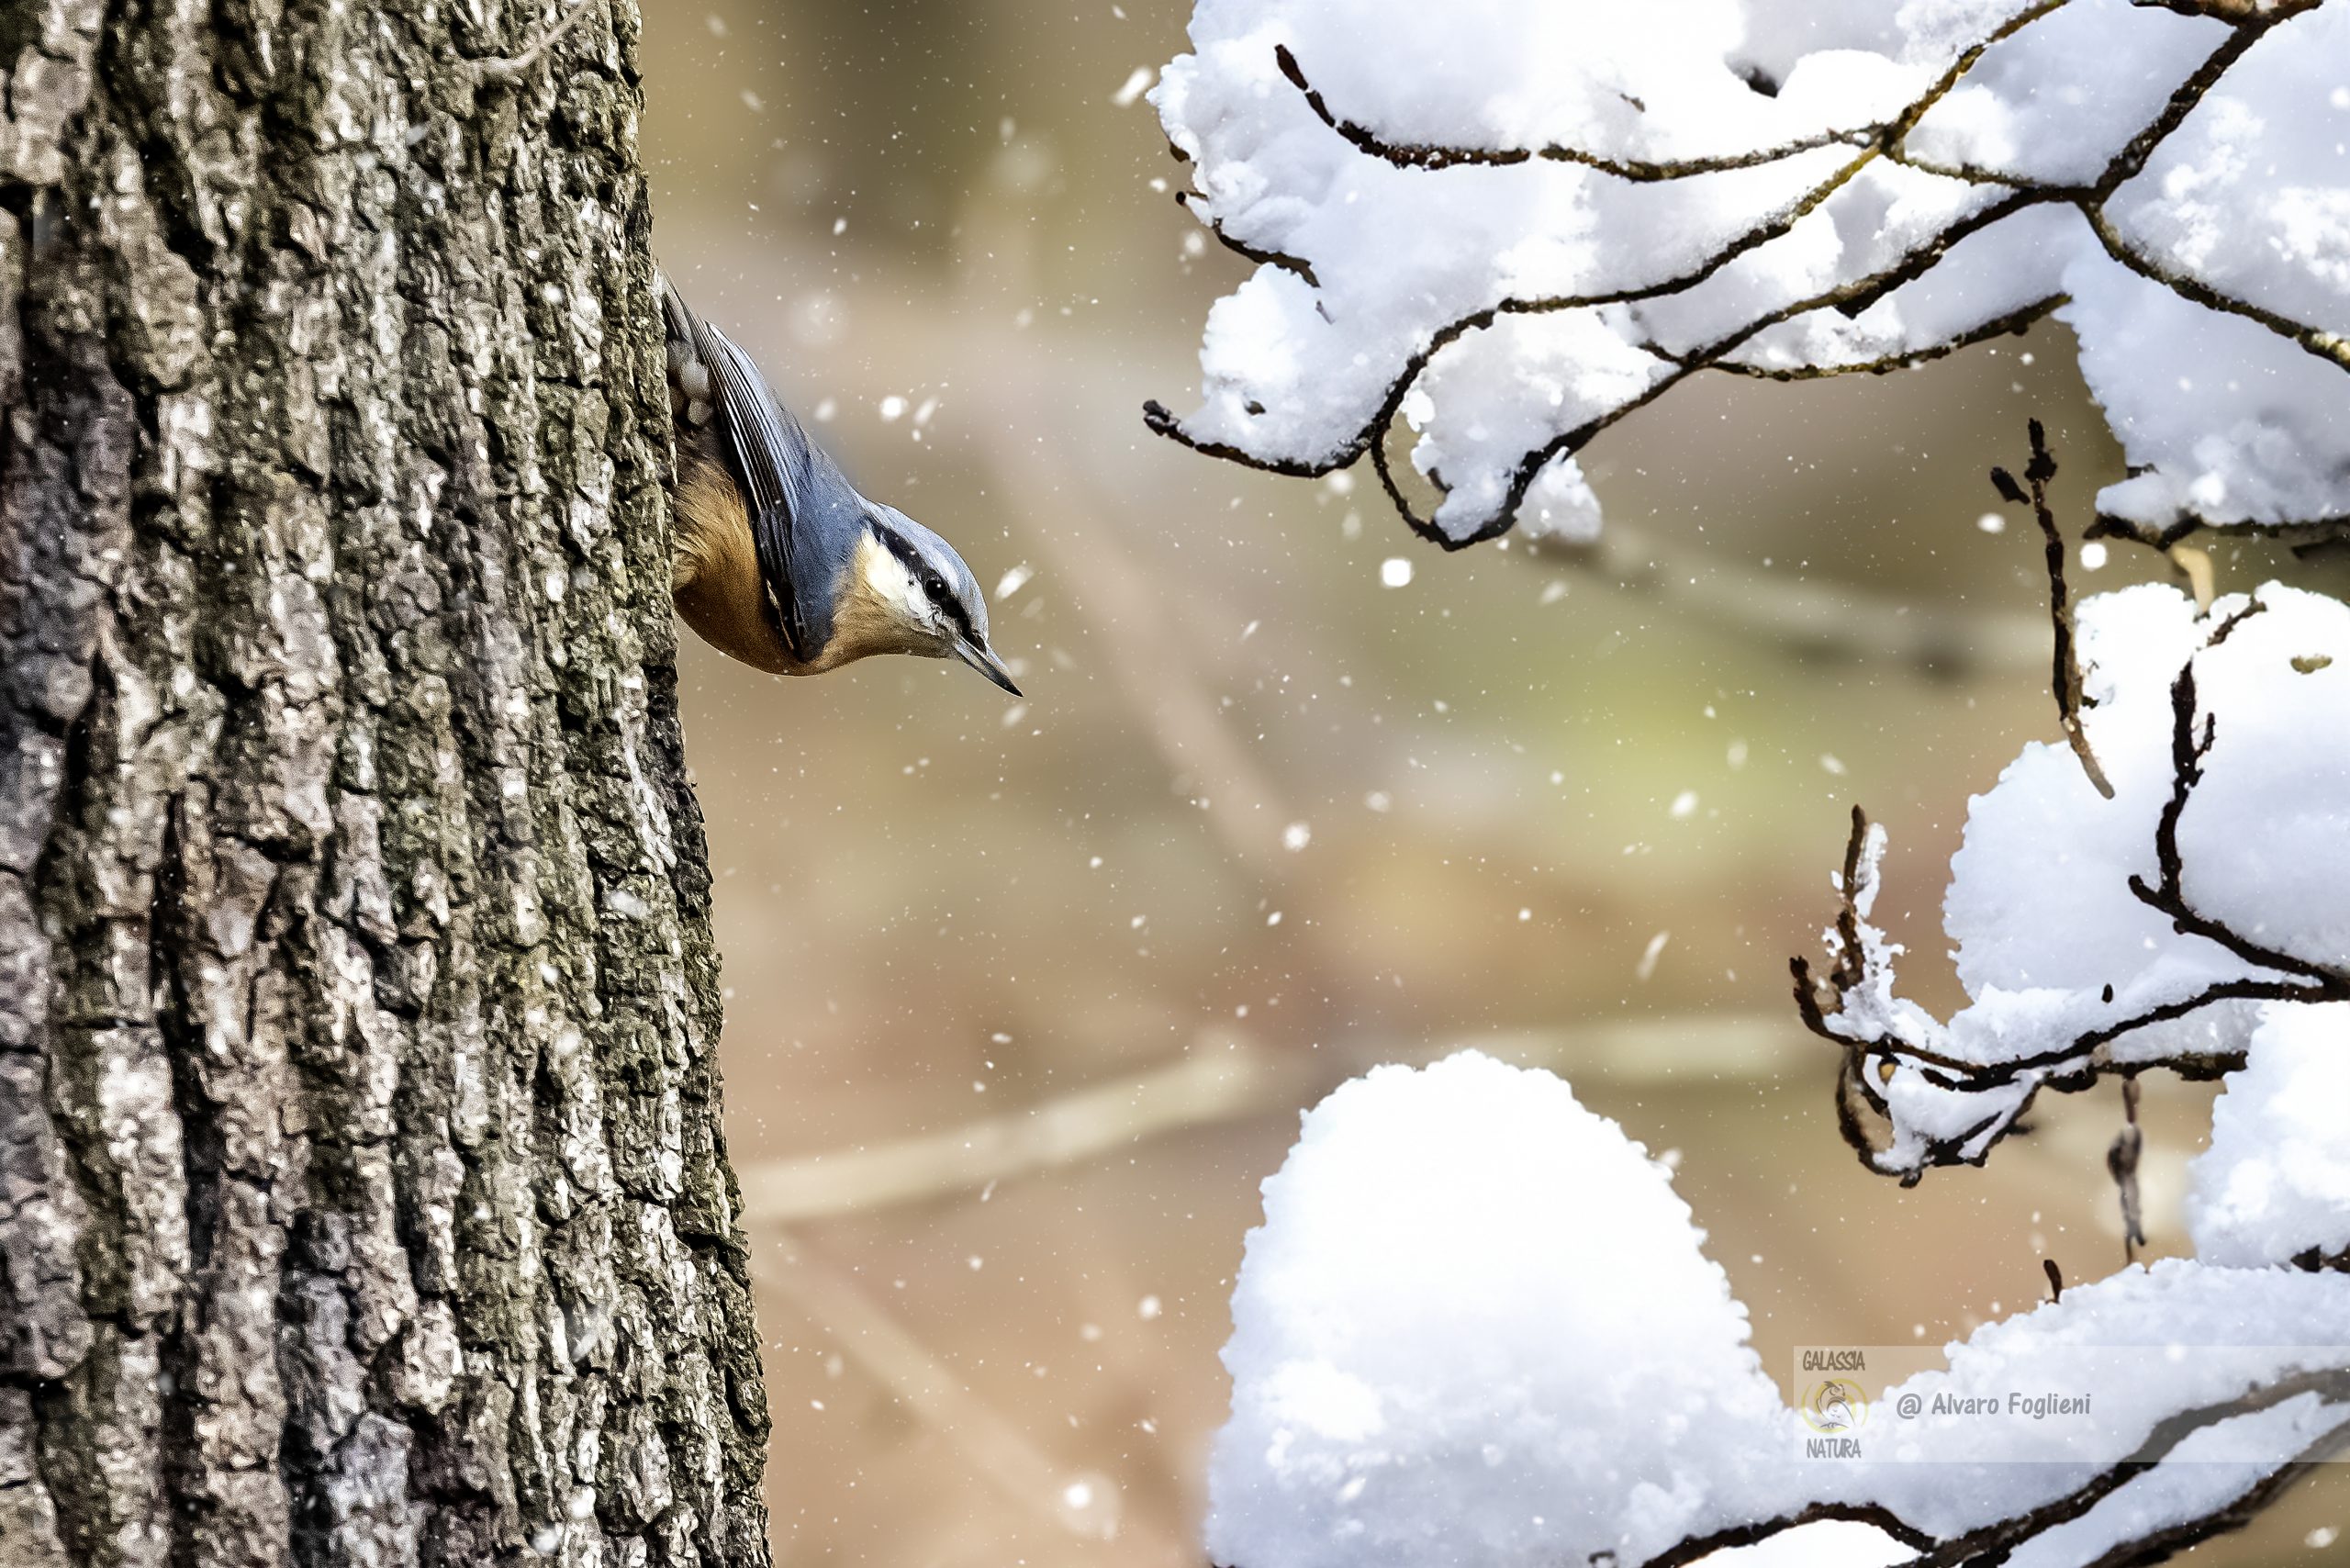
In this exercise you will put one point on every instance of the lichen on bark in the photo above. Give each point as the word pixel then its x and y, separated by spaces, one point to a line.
pixel 363 1193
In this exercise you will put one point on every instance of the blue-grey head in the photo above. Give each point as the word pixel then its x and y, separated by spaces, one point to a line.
pixel 864 578
pixel 903 589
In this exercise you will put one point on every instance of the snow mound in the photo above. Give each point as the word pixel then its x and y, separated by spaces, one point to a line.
pixel 1477 1324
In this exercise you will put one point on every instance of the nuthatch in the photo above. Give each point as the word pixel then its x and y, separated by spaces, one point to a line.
pixel 779 562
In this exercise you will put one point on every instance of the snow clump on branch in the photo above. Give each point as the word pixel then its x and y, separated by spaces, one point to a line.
pixel 1511 224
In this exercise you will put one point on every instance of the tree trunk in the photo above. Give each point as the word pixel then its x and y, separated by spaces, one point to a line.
pixel 363 1197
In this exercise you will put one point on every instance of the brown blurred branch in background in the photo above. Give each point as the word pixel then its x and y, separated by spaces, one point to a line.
pixel 1151 662
pixel 1081 1502
pixel 1800 620
pixel 1226 1078
pixel 1206 1085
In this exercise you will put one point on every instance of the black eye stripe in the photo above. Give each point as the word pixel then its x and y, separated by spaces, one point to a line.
pixel 931 582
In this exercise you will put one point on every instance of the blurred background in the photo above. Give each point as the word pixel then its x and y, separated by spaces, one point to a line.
pixel 1023 999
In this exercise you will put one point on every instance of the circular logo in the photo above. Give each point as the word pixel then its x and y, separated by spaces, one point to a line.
pixel 1835 1405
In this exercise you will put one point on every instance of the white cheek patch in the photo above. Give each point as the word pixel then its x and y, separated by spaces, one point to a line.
pixel 891 585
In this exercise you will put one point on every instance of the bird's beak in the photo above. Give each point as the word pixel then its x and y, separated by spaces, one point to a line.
pixel 985 662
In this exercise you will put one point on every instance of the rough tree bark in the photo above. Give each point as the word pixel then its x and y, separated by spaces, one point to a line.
pixel 363 1197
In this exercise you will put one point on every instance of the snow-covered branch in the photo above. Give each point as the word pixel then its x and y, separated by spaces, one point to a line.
pixel 1510 225
pixel 2157 927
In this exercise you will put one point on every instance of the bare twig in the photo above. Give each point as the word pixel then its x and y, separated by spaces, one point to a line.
pixel 1854 962
pixel 2015 323
pixel 1852 956
pixel 2074 1065
pixel 2122 1164
pixel 2077 1063
pixel 2067 679
pixel 2164 1543
pixel 2230 11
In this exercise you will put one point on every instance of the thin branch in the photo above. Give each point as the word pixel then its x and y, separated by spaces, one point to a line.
pixel 2187 751
pixel 1851 952
pixel 1260 255
pixel 2170 1541
pixel 1697 1548
pixel 2065 680
pixel 2122 1164
pixel 2187 755
pixel 1854 963
pixel 2067 1069
pixel 2083 1059
pixel 2015 323
pixel 1975 174
pixel 2233 12
pixel 1224 1079
pixel 1845 621
pixel 1997 1541
pixel 2128 164
pixel 1852 296
pixel 2075 1064
pixel 2330 346
pixel 2310 533
pixel 1850 966
pixel 1855 1106
pixel 1878 134
pixel 1409 155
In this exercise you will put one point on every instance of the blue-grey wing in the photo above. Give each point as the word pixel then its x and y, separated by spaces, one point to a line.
pixel 787 482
